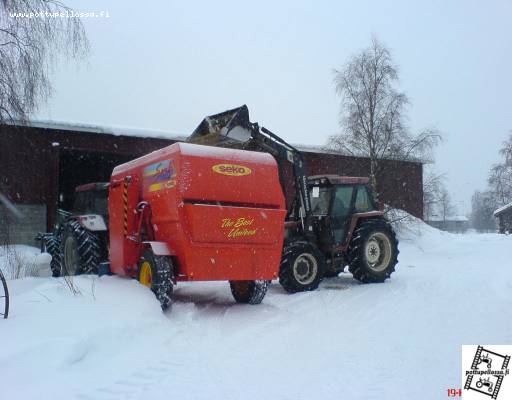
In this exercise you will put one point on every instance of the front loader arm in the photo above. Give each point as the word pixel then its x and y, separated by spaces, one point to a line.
pixel 232 128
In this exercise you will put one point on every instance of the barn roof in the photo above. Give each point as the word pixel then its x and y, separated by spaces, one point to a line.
pixel 118 130
pixel 102 129
pixel 308 148
pixel 501 210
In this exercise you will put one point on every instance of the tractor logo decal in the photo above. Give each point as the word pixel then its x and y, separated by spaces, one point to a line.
pixel 231 169
pixel 240 227
pixel 159 176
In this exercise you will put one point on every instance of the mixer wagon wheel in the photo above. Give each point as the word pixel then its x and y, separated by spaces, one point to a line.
pixel 250 292
pixel 302 267
pixel 156 273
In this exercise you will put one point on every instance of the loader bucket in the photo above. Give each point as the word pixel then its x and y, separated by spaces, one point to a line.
pixel 231 127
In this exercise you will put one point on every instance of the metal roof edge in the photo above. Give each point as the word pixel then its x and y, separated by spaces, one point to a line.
pixel 502 209
pixel 115 130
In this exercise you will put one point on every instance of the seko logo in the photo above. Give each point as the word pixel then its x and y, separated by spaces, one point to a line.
pixel 231 169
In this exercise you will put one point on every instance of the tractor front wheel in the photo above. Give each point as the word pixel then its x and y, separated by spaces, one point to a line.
pixel 373 251
pixel 302 267
pixel 250 292
pixel 157 273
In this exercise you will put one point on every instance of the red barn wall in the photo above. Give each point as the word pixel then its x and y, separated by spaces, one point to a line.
pixel 29 166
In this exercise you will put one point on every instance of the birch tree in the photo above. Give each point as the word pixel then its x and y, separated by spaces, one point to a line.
pixel 373 112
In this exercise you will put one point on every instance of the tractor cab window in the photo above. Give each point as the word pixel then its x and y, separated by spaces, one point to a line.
pixel 363 200
pixel 341 212
pixel 341 201
pixel 91 202
pixel 101 206
pixel 320 198
pixel 84 202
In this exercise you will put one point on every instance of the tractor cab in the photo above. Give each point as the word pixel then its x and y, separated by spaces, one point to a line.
pixel 334 201
pixel 91 198
pixel 81 234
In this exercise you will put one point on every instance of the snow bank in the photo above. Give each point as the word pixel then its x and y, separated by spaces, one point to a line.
pixel 18 261
pixel 413 230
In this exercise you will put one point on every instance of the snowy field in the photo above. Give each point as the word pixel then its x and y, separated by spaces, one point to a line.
pixel 397 340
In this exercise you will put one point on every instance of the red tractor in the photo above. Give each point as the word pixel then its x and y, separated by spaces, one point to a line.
pixel 333 221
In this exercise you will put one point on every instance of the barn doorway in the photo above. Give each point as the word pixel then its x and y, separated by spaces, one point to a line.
pixel 78 167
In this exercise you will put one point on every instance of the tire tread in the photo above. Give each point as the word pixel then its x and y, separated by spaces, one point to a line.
pixel 356 258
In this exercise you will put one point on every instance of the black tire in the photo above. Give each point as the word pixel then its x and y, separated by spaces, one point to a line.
pixel 302 267
pixel 51 244
pixel 162 275
pixel 373 251
pixel 249 292
pixel 80 250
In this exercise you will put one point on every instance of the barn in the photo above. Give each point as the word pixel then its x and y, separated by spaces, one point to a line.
pixel 42 162
pixel 504 215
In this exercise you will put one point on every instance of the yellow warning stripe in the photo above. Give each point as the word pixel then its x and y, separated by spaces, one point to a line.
pixel 125 207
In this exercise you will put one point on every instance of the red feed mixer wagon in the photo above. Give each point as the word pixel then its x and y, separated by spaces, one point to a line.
pixel 196 213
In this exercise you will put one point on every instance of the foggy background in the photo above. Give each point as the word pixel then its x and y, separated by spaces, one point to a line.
pixel 166 64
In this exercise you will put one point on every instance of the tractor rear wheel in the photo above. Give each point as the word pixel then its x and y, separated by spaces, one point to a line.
pixel 373 251
pixel 250 292
pixel 157 273
pixel 80 250
pixel 51 244
pixel 302 267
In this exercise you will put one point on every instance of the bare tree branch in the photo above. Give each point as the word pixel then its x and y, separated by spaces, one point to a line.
pixel 373 111
pixel 29 49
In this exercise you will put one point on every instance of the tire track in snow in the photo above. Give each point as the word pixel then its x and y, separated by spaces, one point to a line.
pixel 181 364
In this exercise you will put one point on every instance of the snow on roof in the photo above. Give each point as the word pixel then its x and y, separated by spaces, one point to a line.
pixel 502 209
pixel 309 148
pixel 102 129
pixel 451 218
pixel 118 130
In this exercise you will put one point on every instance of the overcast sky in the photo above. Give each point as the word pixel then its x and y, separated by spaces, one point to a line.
pixel 166 64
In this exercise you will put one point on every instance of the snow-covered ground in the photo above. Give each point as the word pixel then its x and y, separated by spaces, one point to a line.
pixel 397 340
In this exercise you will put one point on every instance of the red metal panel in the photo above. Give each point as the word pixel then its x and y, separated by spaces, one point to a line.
pixel 233 225
pixel 124 195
